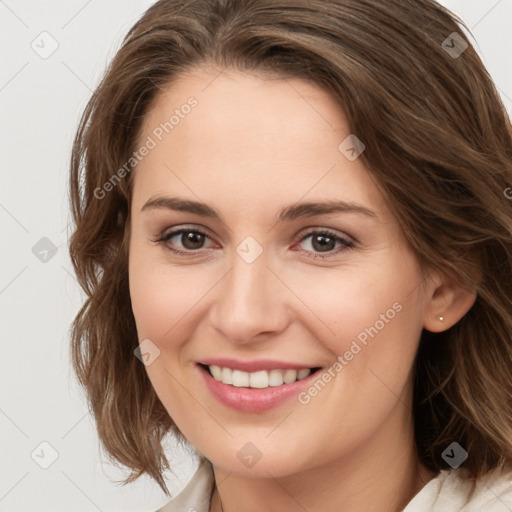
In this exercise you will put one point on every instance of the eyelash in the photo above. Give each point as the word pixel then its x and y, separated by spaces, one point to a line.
pixel 347 244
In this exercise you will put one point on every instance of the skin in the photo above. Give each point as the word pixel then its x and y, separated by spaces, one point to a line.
pixel 251 147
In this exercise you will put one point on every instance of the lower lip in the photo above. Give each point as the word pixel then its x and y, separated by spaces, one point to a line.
pixel 253 399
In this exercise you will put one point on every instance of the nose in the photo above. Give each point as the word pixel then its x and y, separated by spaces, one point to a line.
pixel 251 303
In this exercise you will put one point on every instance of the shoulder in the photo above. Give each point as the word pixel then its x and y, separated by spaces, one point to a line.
pixel 453 490
pixel 196 495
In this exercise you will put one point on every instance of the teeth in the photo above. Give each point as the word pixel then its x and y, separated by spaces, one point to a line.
pixel 302 374
pixel 226 376
pixel 289 376
pixel 258 379
pixel 240 379
pixel 216 372
pixel 262 379
pixel 275 378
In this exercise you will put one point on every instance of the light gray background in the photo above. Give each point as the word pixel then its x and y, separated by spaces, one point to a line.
pixel 41 101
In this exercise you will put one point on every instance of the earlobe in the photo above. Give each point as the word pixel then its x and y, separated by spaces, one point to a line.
pixel 447 302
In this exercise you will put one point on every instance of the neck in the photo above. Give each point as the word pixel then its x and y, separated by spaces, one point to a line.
pixel 381 475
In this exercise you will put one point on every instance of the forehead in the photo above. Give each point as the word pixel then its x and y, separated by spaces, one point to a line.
pixel 247 135
pixel 247 104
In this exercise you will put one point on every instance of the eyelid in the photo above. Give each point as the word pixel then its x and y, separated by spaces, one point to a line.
pixel 172 230
pixel 333 232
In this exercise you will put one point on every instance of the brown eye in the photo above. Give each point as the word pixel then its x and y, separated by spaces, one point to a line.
pixel 325 242
pixel 191 239
pixel 184 241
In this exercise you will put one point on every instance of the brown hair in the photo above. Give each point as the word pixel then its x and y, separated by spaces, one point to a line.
pixel 438 142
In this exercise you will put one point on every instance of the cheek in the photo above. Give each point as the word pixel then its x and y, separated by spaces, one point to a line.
pixel 157 300
pixel 376 319
pixel 370 320
pixel 162 298
pixel 357 303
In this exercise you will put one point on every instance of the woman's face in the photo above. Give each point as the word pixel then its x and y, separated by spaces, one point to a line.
pixel 269 284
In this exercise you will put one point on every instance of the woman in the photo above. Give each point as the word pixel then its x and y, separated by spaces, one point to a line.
pixel 293 228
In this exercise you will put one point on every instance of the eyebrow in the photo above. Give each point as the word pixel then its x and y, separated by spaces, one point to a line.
pixel 292 212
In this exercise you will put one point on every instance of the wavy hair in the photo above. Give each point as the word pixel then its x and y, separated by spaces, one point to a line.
pixel 438 143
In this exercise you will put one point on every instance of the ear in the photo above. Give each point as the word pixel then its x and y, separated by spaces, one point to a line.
pixel 445 299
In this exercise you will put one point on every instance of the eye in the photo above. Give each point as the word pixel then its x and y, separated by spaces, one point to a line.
pixel 323 243
pixel 190 239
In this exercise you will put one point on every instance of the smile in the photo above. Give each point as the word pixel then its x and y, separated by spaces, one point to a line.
pixel 260 380
pixel 254 389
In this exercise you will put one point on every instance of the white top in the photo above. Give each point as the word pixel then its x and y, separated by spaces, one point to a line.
pixel 446 492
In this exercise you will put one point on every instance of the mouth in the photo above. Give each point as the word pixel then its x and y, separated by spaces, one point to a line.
pixel 255 391
pixel 261 379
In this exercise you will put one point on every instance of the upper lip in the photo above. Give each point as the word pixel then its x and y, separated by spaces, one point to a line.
pixel 254 365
